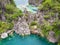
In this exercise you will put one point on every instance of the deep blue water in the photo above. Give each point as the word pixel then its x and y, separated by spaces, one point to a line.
pixel 27 40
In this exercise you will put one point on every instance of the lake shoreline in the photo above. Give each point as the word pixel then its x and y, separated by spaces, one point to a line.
pixel 23 37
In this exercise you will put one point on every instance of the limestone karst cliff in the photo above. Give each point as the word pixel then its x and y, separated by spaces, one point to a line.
pixel 8 13
pixel 35 2
pixel 46 20
pixel 3 3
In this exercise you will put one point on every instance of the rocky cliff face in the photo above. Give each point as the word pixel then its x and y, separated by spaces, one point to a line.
pixel 21 27
pixel 2 8
pixel 35 2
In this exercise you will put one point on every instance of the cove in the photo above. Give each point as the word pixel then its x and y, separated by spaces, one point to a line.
pixel 27 40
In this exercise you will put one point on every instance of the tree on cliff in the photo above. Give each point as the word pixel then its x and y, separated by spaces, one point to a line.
pixel 8 13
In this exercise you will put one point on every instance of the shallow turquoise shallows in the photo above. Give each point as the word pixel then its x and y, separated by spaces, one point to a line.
pixel 27 40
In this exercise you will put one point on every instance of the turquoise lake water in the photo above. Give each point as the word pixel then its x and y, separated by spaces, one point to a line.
pixel 27 40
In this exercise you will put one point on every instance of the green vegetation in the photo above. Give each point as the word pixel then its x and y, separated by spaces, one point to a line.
pixel 46 28
pixel 0 11
pixel 11 13
pixel 58 43
pixel 46 16
pixel 50 4
pixel 54 27
pixel 50 8
pixel 4 26
pixel 34 25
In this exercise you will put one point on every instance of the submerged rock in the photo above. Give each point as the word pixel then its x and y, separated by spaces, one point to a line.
pixel 4 35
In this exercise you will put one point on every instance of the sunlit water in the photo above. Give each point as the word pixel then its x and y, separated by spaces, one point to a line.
pixel 21 2
pixel 24 4
pixel 27 40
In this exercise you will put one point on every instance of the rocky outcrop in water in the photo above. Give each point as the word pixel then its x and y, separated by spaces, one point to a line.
pixel 51 37
pixel 4 35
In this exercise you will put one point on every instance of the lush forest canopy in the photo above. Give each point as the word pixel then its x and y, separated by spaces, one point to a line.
pixel 10 13
pixel 51 9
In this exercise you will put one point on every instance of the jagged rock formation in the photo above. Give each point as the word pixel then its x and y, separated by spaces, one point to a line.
pixel 2 6
pixel 39 17
pixel 35 2
pixel 3 3
pixel 22 27
pixel 51 37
